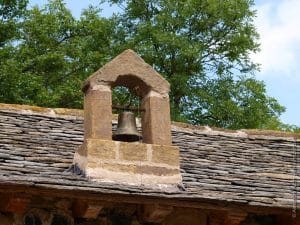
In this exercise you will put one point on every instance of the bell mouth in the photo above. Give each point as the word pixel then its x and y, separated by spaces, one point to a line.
pixel 127 137
pixel 126 130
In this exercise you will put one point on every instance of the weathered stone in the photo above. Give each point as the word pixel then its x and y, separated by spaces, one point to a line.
pixel 98 113
pixel 97 157
pixel 128 69
pixel 165 155
pixel 98 149
pixel 132 151
pixel 156 170
pixel 156 121
pixel 117 167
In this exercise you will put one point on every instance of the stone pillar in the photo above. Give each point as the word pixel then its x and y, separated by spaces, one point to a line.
pixel 156 122
pixel 98 113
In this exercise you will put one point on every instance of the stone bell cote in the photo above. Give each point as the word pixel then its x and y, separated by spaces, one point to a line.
pixel 155 161
pixel 129 70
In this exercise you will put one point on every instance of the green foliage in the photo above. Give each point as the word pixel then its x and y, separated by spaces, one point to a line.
pixel 226 102
pixel 288 127
pixel 10 13
pixel 201 47
pixel 54 54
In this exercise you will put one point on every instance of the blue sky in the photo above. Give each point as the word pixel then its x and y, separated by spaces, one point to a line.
pixel 278 23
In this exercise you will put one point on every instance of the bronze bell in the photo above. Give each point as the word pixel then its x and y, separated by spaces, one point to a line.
pixel 126 130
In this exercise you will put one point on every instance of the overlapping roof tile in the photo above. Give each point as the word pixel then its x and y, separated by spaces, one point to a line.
pixel 248 167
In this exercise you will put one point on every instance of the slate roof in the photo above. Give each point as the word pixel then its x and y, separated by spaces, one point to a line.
pixel 243 167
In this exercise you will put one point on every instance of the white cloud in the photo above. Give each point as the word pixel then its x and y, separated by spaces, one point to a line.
pixel 278 23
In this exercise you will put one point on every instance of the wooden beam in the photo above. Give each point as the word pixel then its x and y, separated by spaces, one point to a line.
pixel 216 217
pixel 13 204
pixel 189 216
pixel 92 194
pixel 215 220
pixel 88 210
pixel 154 213
pixel 131 108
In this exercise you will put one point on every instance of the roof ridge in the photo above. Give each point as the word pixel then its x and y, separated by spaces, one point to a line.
pixel 42 110
pixel 250 133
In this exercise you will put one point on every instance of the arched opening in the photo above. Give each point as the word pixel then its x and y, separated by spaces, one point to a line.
pixel 32 219
pixel 136 85
pixel 127 94
pixel 124 99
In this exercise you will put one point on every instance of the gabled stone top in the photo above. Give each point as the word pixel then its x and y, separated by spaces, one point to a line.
pixel 129 64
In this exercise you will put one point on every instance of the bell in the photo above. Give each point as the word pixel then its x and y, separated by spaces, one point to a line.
pixel 126 130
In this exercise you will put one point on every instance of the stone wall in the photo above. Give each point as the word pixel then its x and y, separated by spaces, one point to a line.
pixel 131 163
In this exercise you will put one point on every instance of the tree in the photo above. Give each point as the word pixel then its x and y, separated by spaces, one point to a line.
pixel 53 55
pixel 10 13
pixel 202 48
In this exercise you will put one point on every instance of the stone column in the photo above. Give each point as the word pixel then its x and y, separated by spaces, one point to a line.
pixel 156 122
pixel 98 112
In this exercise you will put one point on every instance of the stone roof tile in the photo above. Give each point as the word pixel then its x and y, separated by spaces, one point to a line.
pixel 251 167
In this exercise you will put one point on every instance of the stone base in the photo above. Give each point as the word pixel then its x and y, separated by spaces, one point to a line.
pixel 130 163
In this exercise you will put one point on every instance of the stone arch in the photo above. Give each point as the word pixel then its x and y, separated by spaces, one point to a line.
pixel 133 83
pixel 36 217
